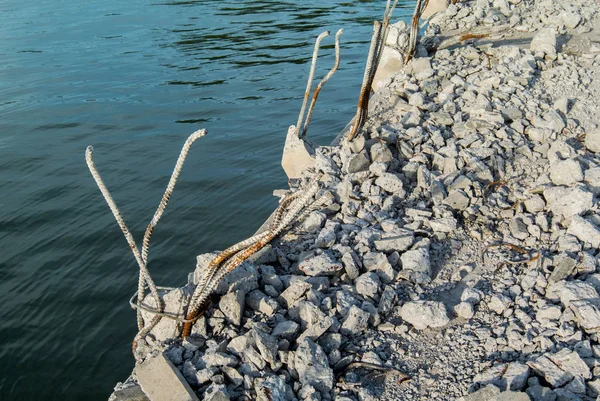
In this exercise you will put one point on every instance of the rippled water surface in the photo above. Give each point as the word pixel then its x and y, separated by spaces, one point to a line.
pixel 134 79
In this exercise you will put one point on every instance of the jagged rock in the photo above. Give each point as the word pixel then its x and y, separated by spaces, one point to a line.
pixel 566 172
pixel 391 183
pixel 555 376
pixel 216 392
pixel 259 301
pixel 464 310
pixel 313 367
pixel 585 231
pixel 395 242
pixel 286 329
pixel 266 344
pixel 423 314
pixel 592 141
pixel 568 202
pixel 488 393
pixel 320 265
pixel 378 263
pixel 356 322
pixel 294 292
pixel 232 305
pixel 544 43
pixel 271 388
pixel 162 381
pixel 367 284
pixel 350 266
pixel 498 303
pixel 417 261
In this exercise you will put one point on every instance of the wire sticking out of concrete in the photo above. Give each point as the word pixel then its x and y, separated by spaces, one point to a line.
pixel 323 81
pixel 311 75
pixel 288 211
pixel 142 257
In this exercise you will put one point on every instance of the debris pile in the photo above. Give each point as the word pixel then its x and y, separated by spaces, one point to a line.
pixel 455 254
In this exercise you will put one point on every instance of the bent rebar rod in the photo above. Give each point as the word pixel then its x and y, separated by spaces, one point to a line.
pixel 213 266
pixel 161 208
pixel 365 89
pixel 201 301
pixel 115 211
pixel 323 81
pixel 310 79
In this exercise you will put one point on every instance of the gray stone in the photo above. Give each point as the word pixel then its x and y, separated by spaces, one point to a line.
pixel 286 329
pixel 539 393
pixel 327 236
pixel 356 321
pixel 568 202
pixel 585 231
pixel 587 314
pixel 350 265
pixel 394 242
pixel 443 225
pixel 356 162
pixel 128 393
pixel 218 359
pixel 391 183
pixel 471 295
pixel 387 301
pixel 592 179
pixel 534 204
pixel 464 310
pixel 216 392
pixel 555 376
pixel 244 278
pixel 271 388
pixel 571 362
pixel 294 292
pixel 568 291
pixel 232 305
pixel 499 302
pixel 548 312
pixel 423 314
pixel 592 141
pixel 174 302
pixel 570 18
pixel 512 396
pixel 518 229
pixel 260 302
pixel 162 381
pixel 380 153
pixel 564 266
pixel 324 264
pixel 378 263
pixel 544 43
pixel 367 284
pixel 267 345
pixel 417 261
pixel 457 199
pixel 488 393
pixel 312 366
pixel 566 172
pixel 317 329
pixel 313 222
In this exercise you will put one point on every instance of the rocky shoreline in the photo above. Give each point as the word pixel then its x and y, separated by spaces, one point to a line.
pixel 456 253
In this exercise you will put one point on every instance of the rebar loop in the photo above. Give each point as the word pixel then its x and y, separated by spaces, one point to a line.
pixel 115 211
pixel 310 79
pixel 323 81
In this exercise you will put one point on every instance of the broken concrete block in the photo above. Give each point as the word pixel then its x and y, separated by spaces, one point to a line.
pixel 162 381
pixel 298 154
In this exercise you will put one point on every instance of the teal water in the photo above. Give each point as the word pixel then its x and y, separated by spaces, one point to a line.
pixel 134 79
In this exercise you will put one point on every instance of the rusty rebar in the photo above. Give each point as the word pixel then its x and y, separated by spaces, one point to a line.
pixel 311 75
pixel 323 81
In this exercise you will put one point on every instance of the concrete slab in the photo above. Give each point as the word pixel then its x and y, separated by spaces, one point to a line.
pixel 162 381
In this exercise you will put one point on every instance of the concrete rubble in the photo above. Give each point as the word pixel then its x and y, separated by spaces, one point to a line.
pixel 458 247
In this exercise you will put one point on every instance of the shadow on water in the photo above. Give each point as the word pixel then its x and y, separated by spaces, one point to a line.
pixel 135 80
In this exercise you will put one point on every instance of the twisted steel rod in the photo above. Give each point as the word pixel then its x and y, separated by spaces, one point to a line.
pixel 323 81
pixel 310 79
pixel 212 278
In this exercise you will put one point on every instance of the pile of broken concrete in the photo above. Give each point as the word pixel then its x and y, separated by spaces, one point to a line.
pixel 457 255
